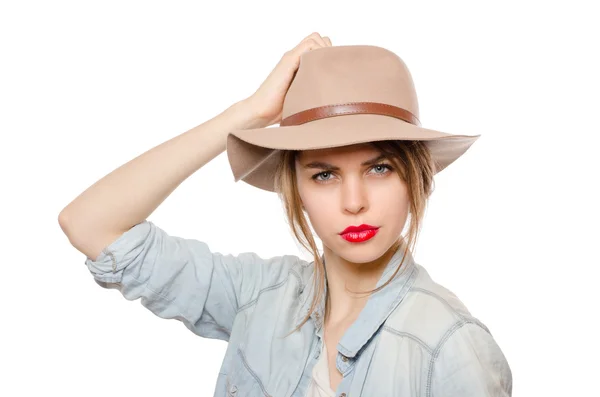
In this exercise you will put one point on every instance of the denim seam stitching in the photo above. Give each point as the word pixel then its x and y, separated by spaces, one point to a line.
pixel 366 371
pixel 243 357
pixel 299 289
pixel 112 258
pixel 411 336
pixel 253 301
pixel 436 351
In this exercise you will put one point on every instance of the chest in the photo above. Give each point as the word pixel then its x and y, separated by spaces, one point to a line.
pixel 335 377
pixel 390 365
pixel 264 359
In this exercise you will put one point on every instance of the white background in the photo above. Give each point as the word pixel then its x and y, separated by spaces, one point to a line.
pixel 511 227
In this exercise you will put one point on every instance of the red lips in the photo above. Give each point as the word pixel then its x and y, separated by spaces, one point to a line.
pixel 361 228
pixel 358 234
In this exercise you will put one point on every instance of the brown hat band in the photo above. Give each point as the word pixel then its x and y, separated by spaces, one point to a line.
pixel 350 108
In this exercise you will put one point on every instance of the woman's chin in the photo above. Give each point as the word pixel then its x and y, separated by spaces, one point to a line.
pixel 359 252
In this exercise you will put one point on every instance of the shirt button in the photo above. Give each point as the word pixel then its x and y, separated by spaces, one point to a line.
pixel 343 395
pixel 344 358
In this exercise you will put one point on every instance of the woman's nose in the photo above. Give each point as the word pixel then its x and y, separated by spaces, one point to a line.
pixel 354 196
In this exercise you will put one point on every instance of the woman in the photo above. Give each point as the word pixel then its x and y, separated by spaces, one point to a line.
pixel 362 318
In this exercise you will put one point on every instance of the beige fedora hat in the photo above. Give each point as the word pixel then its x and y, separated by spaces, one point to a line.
pixel 341 95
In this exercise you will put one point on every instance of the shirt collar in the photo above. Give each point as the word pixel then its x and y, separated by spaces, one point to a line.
pixel 377 309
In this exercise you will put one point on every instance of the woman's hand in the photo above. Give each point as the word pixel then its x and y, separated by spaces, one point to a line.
pixel 267 101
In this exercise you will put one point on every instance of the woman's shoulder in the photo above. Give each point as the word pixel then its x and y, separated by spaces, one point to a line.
pixel 429 311
pixel 456 349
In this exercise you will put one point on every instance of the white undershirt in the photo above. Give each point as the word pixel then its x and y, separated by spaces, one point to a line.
pixel 319 384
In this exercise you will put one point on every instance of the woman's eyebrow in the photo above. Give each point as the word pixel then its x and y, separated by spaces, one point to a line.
pixel 331 167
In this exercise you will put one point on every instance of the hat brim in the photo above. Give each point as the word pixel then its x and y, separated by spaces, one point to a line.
pixel 252 153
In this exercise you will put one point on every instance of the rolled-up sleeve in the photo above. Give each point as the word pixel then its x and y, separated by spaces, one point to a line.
pixel 178 278
pixel 468 363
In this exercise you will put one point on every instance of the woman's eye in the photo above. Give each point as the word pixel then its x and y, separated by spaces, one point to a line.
pixel 316 177
pixel 379 167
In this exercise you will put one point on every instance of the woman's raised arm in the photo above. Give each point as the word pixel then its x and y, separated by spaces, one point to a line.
pixel 129 194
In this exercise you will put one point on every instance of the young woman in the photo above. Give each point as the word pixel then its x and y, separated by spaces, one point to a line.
pixel 350 157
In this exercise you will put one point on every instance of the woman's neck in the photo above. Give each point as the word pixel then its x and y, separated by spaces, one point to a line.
pixel 344 278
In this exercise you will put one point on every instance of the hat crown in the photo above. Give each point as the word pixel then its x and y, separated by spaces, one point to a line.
pixel 353 73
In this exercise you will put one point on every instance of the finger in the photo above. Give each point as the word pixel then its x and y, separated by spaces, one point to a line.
pixel 313 35
pixel 311 38
pixel 327 40
pixel 308 43
pixel 304 46
pixel 316 36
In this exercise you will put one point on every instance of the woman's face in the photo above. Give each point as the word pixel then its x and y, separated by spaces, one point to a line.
pixel 338 191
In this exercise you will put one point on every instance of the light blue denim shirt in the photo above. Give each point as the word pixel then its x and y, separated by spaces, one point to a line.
pixel 413 338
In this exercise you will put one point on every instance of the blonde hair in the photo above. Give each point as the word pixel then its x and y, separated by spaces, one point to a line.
pixel 411 161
